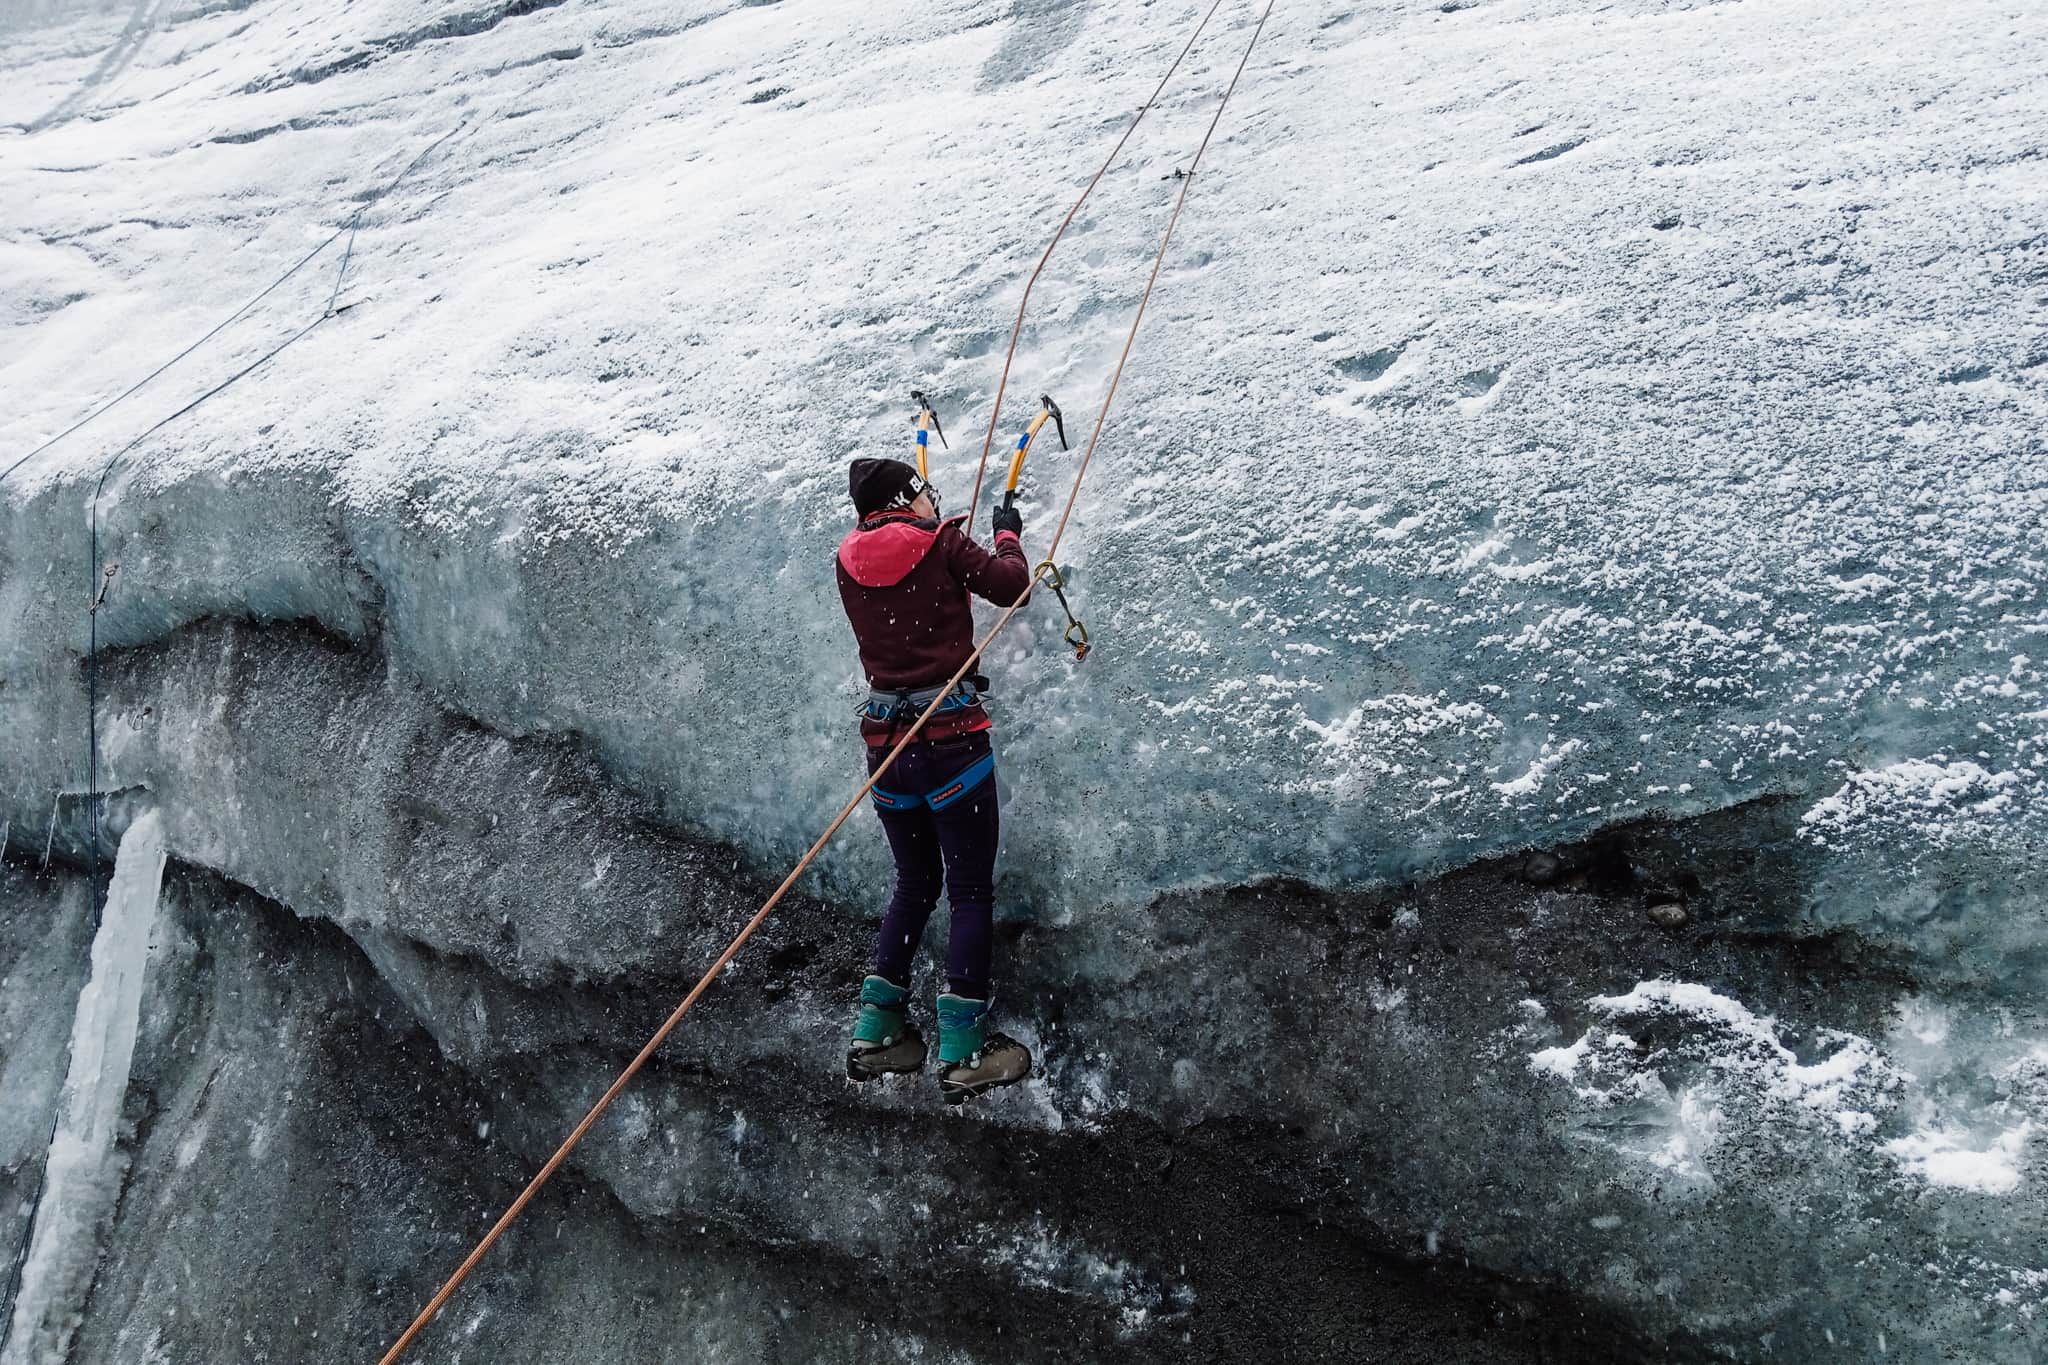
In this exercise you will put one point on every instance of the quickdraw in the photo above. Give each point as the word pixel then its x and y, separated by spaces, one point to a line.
pixel 1048 411
pixel 1077 633
pixel 99 599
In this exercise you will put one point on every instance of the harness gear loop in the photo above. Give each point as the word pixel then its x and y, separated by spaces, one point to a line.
pixel 1077 633
pixel 903 704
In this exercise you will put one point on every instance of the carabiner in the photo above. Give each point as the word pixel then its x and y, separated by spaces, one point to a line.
pixel 1077 636
pixel 1077 633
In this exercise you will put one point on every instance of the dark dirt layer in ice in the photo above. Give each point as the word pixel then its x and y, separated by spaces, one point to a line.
pixel 309 1165
pixel 1310 1106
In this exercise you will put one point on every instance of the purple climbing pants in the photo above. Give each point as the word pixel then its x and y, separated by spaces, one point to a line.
pixel 938 807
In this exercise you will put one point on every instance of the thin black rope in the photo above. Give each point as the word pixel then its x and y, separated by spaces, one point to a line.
pixel 354 224
pixel 218 328
pixel 102 581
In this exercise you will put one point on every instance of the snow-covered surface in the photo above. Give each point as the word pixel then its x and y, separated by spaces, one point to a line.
pixel 1919 800
pixel 1947 1156
pixel 83 1175
pixel 1553 413
pixel 1844 1091
pixel 1672 1125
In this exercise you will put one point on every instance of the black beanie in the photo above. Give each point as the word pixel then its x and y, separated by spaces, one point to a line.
pixel 875 484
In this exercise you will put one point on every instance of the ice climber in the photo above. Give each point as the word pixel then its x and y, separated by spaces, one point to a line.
pixel 907 578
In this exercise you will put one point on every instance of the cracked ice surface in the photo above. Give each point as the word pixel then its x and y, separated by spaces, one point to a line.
pixel 1551 413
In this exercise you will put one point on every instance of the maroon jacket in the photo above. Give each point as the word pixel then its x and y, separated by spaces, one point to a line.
pixel 906 584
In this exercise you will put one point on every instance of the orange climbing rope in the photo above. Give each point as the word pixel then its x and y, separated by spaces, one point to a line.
pixel 668 1025
pixel 995 409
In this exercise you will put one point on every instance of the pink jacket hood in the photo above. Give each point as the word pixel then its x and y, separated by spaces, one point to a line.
pixel 882 555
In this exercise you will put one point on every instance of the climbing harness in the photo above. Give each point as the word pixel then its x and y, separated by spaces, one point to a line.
pixel 668 1025
pixel 942 796
pixel 904 704
pixel 1077 634
pixel 927 426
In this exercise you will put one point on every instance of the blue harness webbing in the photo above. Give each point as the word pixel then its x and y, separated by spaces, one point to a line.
pixel 943 796
pixel 906 705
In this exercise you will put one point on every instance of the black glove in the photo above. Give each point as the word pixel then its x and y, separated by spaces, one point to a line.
pixel 1008 519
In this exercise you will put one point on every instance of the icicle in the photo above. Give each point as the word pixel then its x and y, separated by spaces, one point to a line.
pixel 83 1171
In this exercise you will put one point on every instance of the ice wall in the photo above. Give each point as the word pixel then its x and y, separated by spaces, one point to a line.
pixel 1554 415
pixel 1512 1068
pixel 45 947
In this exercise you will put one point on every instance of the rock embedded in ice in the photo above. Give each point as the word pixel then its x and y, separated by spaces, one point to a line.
pixel 1668 915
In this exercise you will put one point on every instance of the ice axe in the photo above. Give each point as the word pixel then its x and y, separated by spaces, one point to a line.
pixel 927 423
pixel 1053 576
pixel 1047 411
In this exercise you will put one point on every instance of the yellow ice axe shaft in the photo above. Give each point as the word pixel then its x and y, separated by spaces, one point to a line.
pixel 927 427
pixel 1048 411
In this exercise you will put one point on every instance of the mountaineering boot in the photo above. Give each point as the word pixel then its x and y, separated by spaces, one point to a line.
pixel 885 1043
pixel 973 1059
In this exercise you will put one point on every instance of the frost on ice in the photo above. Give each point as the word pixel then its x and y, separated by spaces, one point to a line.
pixel 1574 447
pixel 1953 1158
pixel 1658 1079
pixel 1928 801
pixel 1688 1088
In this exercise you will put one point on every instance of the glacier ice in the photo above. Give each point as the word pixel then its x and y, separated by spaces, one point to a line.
pixel 83 1168
pixel 1555 418
pixel 1693 510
